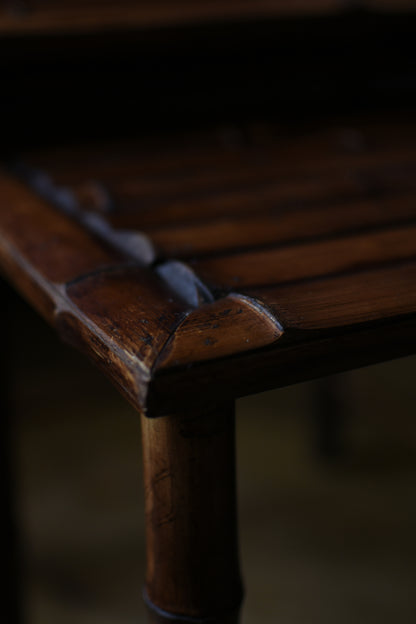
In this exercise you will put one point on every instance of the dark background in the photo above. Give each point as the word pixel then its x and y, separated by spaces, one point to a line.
pixel 327 509
pixel 72 86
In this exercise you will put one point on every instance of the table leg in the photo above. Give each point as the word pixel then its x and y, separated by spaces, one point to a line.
pixel 191 518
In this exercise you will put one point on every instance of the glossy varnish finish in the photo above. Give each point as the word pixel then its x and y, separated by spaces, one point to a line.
pixel 299 238
pixel 189 465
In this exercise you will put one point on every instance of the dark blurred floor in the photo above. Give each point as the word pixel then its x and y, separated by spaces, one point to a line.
pixel 322 541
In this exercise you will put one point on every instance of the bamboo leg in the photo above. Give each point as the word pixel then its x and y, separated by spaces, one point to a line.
pixel 191 524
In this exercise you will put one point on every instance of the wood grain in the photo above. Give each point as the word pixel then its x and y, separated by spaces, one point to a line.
pixel 322 266
pixel 330 325
pixel 118 302
pixel 309 260
pixel 134 206
pixel 280 224
pixel 191 535
pixel 298 357
pixel 57 265
pixel 373 147
pixel 231 325
pixel 197 267
pixel 55 246
pixel 346 300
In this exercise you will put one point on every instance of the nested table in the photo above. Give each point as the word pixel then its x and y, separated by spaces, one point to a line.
pixel 46 16
pixel 194 270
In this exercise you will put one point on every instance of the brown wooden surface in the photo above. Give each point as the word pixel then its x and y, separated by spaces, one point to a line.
pixel 193 269
pixel 52 260
pixel 298 245
pixel 228 326
pixel 45 16
pixel 191 535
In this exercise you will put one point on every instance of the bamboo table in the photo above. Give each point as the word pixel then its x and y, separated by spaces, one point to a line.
pixel 195 270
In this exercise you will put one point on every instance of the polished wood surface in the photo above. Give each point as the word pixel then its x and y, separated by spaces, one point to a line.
pixel 203 259
pixel 191 535
pixel 141 253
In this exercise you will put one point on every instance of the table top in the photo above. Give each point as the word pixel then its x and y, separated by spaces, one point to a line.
pixel 218 264
pixel 22 17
